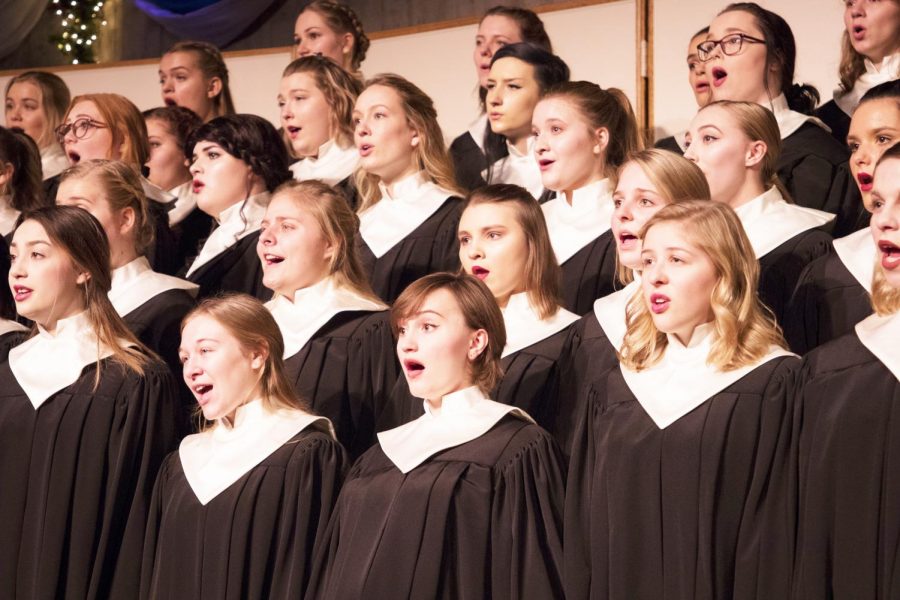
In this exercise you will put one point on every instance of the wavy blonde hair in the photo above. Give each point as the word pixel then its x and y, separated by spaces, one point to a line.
pixel 745 329
pixel 431 153
pixel 675 178
pixel 338 223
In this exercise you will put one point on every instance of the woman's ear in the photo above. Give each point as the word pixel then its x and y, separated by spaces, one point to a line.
pixel 756 152
pixel 601 136
pixel 477 344
pixel 127 219
pixel 213 87
pixel 258 358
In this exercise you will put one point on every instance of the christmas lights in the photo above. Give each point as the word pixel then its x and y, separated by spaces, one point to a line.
pixel 80 24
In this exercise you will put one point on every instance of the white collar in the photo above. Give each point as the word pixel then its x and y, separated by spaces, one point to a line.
pixel 136 283
pixel 789 120
pixel 414 199
pixel 770 221
pixel 8 215
pixel 857 252
pixel 185 202
pixel 10 326
pixel 880 334
pixel 465 415
pixel 235 223
pixel 53 161
pixel 574 226
pixel 47 363
pixel 682 380
pixel 311 308
pixel 156 193
pixel 610 311
pixel 524 327
pixel 214 459
pixel 331 166
pixel 874 75
pixel 477 129
pixel 519 169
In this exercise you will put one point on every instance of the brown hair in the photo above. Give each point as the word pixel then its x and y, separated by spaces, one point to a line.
pixel 339 88
pixel 758 124
pixel 342 19
pixel 431 153
pixel 542 273
pixel 55 99
pixel 211 64
pixel 607 108
pixel 480 310
pixel 253 326
pixel 121 189
pixel 20 151
pixel 675 178
pixel 338 223
pixel 126 124
pixel 81 237
pixel 745 329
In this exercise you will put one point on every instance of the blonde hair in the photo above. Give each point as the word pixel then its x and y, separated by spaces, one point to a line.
pixel 758 124
pixel 745 329
pixel 125 123
pixel 82 238
pixel 542 273
pixel 431 154
pixel 211 64
pixel 253 326
pixel 121 189
pixel 54 100
pixel 342 19
pixel 338 223
pixel 480 310
pixel 675 178
pixel 885 297
pixel 339 88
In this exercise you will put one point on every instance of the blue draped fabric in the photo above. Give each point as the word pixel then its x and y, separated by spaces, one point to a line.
pixel 219 22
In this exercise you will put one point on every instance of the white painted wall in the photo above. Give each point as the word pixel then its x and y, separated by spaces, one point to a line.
pixel 817 27
pixel 596 41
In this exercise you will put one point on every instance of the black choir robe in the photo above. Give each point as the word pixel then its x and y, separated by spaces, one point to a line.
pixel 77 476
pixel 827 302
pixel 253 541
pixel 10 340
pixel 431 247
pixel 346 372
pixel 469 160
pixel 479 520
pixel 779 270
pixel 164 256
pixel 694 510
pixel 849 446
pixel 837 120
pixel 670 144
pixel 589 274
pixel 815 170
pixel 189 234
pixel 236 269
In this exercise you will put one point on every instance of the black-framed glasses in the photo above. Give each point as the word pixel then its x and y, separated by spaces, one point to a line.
pixel 731 45
pixel 79 127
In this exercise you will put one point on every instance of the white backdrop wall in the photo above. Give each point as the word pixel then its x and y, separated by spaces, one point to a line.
pixel 817 27
pixel 438 61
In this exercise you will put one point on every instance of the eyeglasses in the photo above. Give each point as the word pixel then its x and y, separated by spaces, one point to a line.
pixel 731 45
pixel 79 127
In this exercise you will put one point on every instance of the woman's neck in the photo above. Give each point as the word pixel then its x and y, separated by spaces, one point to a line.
pixel 751 188
pixel 594 177
pixel 519 141
pixel 122 255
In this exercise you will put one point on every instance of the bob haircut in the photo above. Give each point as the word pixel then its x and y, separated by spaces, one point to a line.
pixel 480 310
pixel 121 189
pixel 55 98
pixel 338 223
pixel 542 273
pixel 339 88
pixel 255 329
pixel 431 153
pixel 81 237
pixel 248 138
pixel 126 124
pixel 745 329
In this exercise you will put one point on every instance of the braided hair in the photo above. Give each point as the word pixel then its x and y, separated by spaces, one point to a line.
pixel 342 19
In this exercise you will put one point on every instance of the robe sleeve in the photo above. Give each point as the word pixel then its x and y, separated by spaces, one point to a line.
pixel 145 431
pixel 445 250
pixel 154 518
pixel 526 518
pixel 312 482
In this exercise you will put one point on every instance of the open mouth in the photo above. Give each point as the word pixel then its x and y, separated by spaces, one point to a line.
pixel 365 149
pixel 21 293
pixel 545 163
pixel 201 391
pixel 627 240
pixel 858 32
pixel 292 131
pixel 413 368
pixel 719 75
pixel 659 303
pixel 701 86
pixel 169 101
pixel 197 186
pixel 480 272
pixel 890 255
pixel 74 157
pixel 272 259
pixel 866 181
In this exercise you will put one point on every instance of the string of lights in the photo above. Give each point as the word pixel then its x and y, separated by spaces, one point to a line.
pixel 80 24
